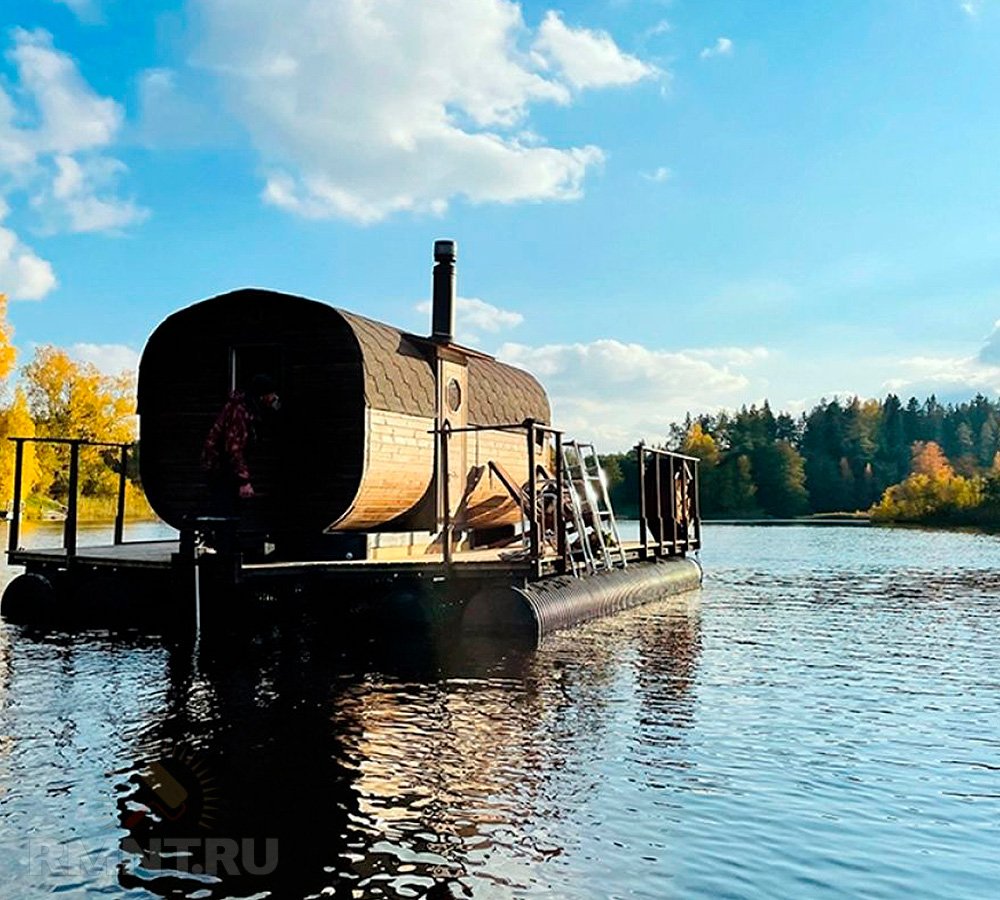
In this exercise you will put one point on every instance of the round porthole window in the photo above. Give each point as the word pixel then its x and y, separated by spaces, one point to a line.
pixel 454 395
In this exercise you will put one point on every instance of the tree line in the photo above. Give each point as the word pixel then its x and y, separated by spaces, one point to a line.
pixel 912 461
pixel 58 396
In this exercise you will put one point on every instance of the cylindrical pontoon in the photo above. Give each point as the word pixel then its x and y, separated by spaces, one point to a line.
pixel 540 607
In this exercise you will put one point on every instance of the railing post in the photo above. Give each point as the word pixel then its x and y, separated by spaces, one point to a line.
pixel 14 533
pixel 672 468
pixel 446 491
pixel 640 452
pixel 658 462
pixel 69 532
pixel 696 508
pixel 561 545
pixel 685 500
pixel 536 556
pixel 120 511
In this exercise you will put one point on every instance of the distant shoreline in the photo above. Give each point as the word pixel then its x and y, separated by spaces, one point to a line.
pixel 54 519
pixel 861 522
pixel 813 522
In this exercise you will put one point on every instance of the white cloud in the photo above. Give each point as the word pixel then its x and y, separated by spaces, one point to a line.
pixel 111 359
pixel 364 109
pixel 473 316
pixel 617 393
pixel 587 58
pixel 945 376
pixel 990 351
pixel 723 46
pixel 971 8
pixel 51 141
pixel 661 27
pixel 71 117
pixel 172 114
pixel 951 376
pixel 658 175
pixel 73 201
pixel 729 356
pixel 23 274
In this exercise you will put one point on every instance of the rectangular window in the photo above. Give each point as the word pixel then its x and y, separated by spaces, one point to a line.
pixel 248 360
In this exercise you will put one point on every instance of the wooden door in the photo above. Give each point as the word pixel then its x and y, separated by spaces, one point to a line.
pixel 452 406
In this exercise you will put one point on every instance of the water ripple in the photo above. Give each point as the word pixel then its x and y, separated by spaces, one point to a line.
pixel 822 720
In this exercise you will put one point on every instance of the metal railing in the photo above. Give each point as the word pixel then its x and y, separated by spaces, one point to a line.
pixel 533 510
pixel 73 489
pixel 669 508
pixel 669 505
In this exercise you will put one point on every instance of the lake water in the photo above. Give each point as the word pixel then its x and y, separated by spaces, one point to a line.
pixel 822 719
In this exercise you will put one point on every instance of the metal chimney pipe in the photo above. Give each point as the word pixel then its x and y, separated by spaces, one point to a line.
pixel 443 311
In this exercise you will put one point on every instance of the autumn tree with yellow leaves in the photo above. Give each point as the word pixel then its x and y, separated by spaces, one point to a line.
pixel 73 399
pixel 16 421
pixel 60 397
pixel 931 490
pixel 8 353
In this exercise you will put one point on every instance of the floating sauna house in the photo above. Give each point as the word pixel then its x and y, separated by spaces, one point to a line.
pixel 388 444
pixel 354 446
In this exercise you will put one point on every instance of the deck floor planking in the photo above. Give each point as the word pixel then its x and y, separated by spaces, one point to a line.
pixel 161 555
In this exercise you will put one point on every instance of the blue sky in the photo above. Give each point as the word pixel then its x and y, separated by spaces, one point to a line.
pixel 660 206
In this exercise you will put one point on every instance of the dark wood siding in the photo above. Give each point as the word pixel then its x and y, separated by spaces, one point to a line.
pixel 307 464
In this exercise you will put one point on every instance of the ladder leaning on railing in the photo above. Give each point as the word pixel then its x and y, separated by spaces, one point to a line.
pixel 587 486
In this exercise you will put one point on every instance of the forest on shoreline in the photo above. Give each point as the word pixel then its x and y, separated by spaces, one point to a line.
pixel 921 462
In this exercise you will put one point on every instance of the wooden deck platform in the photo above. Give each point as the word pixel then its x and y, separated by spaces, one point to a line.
pixel 138 555
pixel 162 556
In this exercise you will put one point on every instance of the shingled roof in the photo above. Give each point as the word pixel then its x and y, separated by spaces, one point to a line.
pixel 500 394
pixel 399 378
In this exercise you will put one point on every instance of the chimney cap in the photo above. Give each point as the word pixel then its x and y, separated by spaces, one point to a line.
pixel 445 249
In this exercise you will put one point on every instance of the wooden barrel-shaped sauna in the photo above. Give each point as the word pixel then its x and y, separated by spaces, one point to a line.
pixel 353 447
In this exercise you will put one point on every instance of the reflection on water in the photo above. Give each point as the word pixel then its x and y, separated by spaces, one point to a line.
pixel 392 771
pixel 792 730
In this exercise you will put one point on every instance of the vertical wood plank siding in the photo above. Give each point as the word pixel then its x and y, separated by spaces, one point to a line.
pixel 399 468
